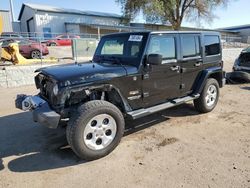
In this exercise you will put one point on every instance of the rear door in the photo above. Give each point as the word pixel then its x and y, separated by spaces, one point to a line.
pixel 191 61
pixel 161 82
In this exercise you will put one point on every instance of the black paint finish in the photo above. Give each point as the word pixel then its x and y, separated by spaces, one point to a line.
pixel 139 84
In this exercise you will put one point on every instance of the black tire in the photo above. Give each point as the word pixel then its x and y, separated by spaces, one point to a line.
pixel 83 118
pixel 201 104
pixel 237 77
pixel 52 44
pixel 35 54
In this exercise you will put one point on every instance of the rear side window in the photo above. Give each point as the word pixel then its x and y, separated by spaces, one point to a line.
pixel 212 45
pixel 190 46
pixel 163 45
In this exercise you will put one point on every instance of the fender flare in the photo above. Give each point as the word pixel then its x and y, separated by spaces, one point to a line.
pixel 208 73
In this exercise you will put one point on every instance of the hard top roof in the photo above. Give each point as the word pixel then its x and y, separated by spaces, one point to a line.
pixel 167 32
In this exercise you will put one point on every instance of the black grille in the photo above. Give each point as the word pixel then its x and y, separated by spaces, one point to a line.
pixel 45 85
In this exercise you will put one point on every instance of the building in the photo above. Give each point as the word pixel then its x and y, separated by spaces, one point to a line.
pixel 48 20
pixel 6 19
pixel 242 30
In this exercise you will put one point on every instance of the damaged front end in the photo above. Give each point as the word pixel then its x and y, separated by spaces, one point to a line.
pixel 42 113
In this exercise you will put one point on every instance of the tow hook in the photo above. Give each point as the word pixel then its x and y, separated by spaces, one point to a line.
pixel 26 103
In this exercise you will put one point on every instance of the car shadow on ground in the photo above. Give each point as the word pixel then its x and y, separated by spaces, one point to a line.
pixel 41 148
pixel 245 88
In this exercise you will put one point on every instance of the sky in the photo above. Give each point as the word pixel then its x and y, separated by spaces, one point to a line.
pixel 236 13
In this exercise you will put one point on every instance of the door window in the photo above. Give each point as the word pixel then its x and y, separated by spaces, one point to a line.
pixel 190 46
pixel 163 45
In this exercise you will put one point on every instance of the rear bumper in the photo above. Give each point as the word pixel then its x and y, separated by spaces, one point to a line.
pixel 241 68
pixel 41 111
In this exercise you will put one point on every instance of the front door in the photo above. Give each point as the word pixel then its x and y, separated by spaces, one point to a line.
pixel 161 82
pixel 191 61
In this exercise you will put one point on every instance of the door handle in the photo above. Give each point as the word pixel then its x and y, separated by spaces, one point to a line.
pixel 175 68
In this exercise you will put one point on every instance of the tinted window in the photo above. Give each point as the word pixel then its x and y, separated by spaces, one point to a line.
pixel 212 45
pixel 163 45
pixel 190 46
pixel 135 49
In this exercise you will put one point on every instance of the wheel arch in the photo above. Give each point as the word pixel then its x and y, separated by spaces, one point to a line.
pixel 107 92
pixel 215 73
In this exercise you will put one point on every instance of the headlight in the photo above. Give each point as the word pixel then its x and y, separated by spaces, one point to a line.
pixel 55 89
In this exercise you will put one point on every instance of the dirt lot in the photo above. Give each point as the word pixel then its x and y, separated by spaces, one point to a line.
pixel 175 148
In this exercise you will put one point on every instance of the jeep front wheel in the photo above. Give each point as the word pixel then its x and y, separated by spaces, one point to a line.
pixel 209 96
pixel 95 129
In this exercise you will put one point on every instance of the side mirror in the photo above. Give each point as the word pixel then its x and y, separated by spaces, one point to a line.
pixel 154 59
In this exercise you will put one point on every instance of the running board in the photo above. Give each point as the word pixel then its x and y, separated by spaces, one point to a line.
pixel 147 111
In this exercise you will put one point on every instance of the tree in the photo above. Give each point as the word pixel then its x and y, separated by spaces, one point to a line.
pixel 171 11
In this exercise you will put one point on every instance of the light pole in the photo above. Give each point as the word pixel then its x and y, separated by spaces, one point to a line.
pixel 12 11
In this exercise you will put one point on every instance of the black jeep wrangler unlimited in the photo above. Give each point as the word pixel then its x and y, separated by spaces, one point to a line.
pixel 131 75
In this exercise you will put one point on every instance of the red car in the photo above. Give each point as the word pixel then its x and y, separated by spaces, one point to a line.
pixel 62 40
pixel 28 48
pixel 32 49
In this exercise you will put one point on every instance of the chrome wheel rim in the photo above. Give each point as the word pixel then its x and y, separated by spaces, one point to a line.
pixel 211 95
pixel 100 131
pixel 35 54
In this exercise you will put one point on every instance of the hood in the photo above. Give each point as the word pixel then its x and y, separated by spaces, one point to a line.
pixel 72 74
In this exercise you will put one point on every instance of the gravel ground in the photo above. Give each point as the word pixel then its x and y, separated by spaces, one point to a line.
pixel 174 148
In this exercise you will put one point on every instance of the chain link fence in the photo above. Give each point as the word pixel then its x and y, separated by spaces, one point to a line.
pixel 233 42
pixel 46 48
pixel 56 48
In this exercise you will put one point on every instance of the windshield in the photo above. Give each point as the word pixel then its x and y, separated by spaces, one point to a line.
pixel 121 48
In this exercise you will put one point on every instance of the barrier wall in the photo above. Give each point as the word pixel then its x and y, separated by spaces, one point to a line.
pixel 14 76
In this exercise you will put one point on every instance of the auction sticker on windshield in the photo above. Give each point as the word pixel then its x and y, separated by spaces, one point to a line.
pixel 135 38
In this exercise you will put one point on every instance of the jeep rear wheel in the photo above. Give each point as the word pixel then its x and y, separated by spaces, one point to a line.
pixel 209 96
pixel 95 130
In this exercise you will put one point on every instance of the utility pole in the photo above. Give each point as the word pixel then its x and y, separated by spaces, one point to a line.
pixel 12 11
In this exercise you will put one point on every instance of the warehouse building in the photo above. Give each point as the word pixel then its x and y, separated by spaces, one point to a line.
pixel 242 30
pixel 46 20
pixel 6 20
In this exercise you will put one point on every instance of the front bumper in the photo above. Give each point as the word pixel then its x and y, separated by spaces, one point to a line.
pixel 42 113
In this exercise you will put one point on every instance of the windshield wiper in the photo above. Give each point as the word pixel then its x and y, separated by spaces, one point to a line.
pixel 114 60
